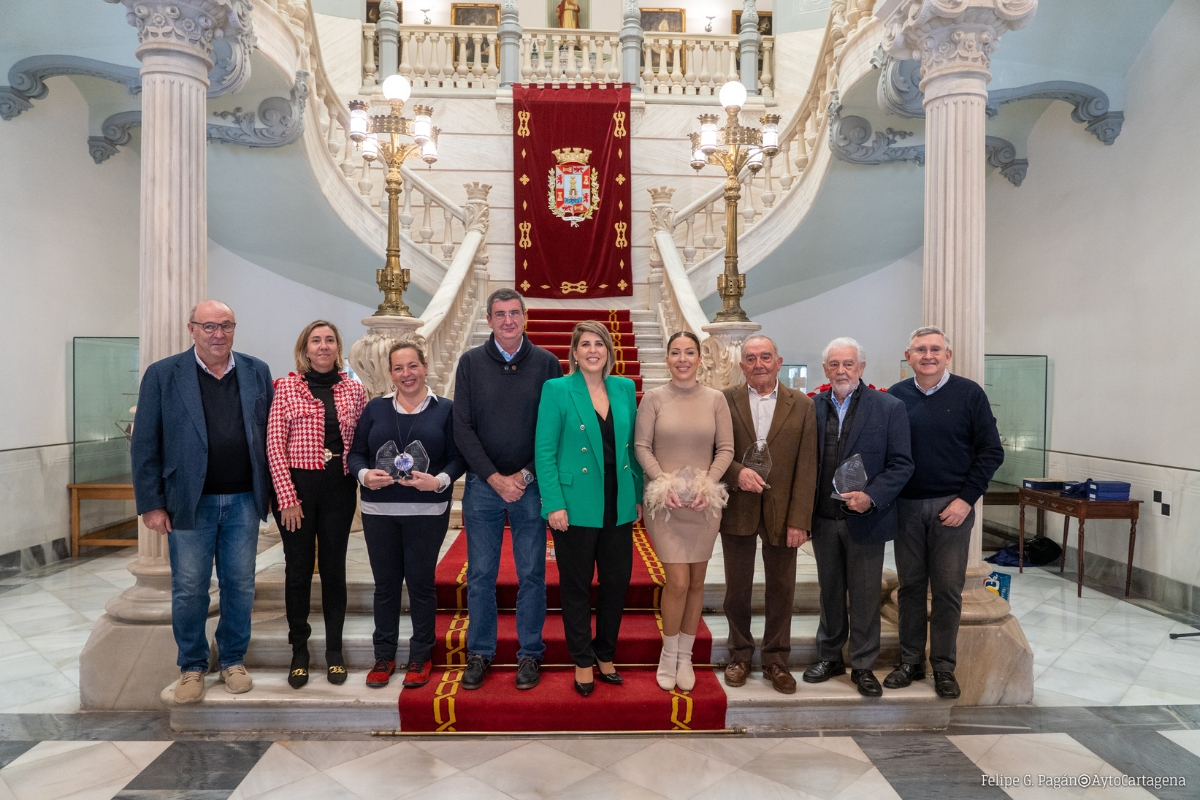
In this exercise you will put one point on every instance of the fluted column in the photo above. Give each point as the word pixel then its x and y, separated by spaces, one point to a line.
pixel 954 40
pixel 388 31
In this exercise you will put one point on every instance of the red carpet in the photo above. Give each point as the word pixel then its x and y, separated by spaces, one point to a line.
pixel 639 704
pixel 551 328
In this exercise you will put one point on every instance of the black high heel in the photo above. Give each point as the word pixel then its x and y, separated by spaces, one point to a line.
pixel 585 689
pixel 613 678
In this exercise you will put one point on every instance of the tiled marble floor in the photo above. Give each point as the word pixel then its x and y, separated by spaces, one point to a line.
pixel 1089 651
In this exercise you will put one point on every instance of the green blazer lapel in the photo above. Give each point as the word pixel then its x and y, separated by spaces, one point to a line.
pixel 783 406
pixel 619 408
pixel 587 415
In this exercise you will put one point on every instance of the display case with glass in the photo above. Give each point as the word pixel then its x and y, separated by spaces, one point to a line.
pixel 105 379
pixel 795 376
pixel 1016 389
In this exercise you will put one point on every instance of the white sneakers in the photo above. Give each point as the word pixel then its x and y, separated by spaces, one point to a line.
pixel 668 663
pixel 190 688
pixel 685 676
pixel 237 680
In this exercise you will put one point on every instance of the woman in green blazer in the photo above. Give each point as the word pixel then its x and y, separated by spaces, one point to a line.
pixel 591 487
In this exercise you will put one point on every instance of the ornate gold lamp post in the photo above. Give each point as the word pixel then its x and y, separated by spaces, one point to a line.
pixel 733 147
pixel 380 137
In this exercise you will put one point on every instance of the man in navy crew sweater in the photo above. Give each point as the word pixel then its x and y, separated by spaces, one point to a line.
pixel 497 389
pixel 956 448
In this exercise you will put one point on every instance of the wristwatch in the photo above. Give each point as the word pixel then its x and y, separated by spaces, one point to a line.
pixel 527 476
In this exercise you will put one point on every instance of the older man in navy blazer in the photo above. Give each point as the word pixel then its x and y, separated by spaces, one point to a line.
pixel 200 477
pixel 849 533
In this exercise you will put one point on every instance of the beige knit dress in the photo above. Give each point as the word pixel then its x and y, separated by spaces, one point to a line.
pixel 677 428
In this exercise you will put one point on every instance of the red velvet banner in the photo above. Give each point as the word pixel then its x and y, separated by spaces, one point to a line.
pixel 572 181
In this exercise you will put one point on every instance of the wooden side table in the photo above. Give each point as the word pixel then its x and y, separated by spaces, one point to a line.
pixel 107 489
pixel 1083 510
pixel 1005 494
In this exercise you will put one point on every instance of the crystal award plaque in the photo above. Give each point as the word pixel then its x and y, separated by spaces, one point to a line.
pixel 401 464
pixel 685 486
pixel 851 476
pixel 758 460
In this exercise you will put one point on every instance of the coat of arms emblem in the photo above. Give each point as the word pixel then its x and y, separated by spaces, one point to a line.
pixel 573 193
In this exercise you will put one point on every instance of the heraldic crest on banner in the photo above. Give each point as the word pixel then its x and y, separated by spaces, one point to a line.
pixel 574 193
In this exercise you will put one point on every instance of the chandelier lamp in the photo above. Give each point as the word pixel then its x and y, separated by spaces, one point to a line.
pixel 733 147
pixel 395 139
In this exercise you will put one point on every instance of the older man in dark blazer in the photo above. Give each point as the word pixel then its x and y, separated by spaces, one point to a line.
pixel 200 477
pixel 849 532
pixel 776 510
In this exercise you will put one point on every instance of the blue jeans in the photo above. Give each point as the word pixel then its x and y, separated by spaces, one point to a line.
pixel 483 517
pixel 226 531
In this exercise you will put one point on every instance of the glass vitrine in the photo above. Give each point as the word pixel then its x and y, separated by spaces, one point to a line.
pixel 1016 389
pixel 105 379
pixel 795 376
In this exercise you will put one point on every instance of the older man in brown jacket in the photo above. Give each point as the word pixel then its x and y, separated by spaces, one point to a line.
pixel 777 510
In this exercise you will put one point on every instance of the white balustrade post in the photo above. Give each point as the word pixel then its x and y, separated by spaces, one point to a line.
pixel 954 45
pixel 368 56
pixel 388 31
pixel 510 44
pixel 748 41
pixel 631 45
pixel 130 653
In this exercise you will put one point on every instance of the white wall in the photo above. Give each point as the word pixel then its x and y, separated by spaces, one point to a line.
pixel 1093 261
pixel 69 267
pixel 272 310
pixel 879 310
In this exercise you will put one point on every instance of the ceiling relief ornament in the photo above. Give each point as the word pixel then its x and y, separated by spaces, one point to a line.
pixel 952 35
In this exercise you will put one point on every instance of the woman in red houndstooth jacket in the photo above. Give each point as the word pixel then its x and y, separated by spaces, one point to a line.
pixel 310 428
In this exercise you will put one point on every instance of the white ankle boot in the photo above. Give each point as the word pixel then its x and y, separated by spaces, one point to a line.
pixel 685 677
pixel 667 663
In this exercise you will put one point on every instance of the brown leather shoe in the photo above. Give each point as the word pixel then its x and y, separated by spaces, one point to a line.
pixel 781 680
pixel 736 672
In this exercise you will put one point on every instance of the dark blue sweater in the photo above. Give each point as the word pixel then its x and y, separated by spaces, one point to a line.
pixel 955 443
pixel 433 427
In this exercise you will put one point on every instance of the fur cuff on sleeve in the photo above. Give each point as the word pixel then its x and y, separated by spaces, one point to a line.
pixel 656 493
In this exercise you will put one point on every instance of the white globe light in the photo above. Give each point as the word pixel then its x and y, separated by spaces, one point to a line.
pixel 397 87
pixel 732 94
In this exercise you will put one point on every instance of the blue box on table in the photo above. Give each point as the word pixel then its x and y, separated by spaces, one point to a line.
pixel 1107 490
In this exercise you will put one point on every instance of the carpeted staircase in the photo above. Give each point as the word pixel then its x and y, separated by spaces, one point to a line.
pixel 551 328
pixel 638 704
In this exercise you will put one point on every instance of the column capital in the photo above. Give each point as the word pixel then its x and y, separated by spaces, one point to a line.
pixel 951 36
pixel 193 23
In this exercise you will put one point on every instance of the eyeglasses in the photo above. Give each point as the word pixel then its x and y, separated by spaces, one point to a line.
pixel 212 327
pixel 510 314
pixel 928 351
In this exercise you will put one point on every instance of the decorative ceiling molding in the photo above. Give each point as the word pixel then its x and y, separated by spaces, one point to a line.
pixel 1001 153
pixel 282 120
pixel 114 132
pixel 852 140
pixel 27 79
pixel 899 93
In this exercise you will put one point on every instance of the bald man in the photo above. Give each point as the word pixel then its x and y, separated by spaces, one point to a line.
pixel 200 477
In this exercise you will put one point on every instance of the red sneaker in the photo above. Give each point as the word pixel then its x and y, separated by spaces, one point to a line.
pixel 381 673
pixel 418 674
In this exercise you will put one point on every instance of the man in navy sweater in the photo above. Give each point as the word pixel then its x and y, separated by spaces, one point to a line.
pixel 957 450
pixel 497 389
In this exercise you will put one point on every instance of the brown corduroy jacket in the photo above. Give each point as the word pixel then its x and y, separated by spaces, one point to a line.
pixel 793 478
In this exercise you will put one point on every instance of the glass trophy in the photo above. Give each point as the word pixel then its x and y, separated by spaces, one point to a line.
pixel 685 486
pixel 401 464
pixel 758 459
pixel 851 476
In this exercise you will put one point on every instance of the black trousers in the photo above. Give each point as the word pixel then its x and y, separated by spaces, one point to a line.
pixel 931 559
pixel 846 567
pixel 581 552
pixel 404 550
pixel 328 499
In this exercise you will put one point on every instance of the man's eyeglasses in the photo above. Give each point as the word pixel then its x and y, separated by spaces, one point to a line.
pixel 517 314
pixel 212 327
pixel 928 351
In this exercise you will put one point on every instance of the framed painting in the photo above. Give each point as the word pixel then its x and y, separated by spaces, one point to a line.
pixel 568 13
pixel 663 20
pixel 764 23
pixel 484 15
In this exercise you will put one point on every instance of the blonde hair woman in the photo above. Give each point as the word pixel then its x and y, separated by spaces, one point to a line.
pixel 591 494
pixel 311 426
pixel 684 441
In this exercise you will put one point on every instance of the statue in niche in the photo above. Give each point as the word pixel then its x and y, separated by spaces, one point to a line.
pixel 568 14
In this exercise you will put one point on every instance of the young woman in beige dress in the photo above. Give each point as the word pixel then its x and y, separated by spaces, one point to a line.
pixel 683 424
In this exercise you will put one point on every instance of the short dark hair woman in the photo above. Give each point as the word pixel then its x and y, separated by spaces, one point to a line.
pixel 405 519
pixel 311 425
pixel 591 487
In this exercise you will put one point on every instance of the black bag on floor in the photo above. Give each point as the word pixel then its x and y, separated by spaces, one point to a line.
pixel 1038 552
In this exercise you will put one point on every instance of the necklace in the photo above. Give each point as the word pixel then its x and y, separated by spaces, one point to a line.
pixel 414 415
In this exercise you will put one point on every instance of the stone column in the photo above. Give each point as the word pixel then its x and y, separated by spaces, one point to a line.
pixel 748 41
pixel 631 45
pixel 388 31
pixel 510 44
pixel 130 655
pixel 954 40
